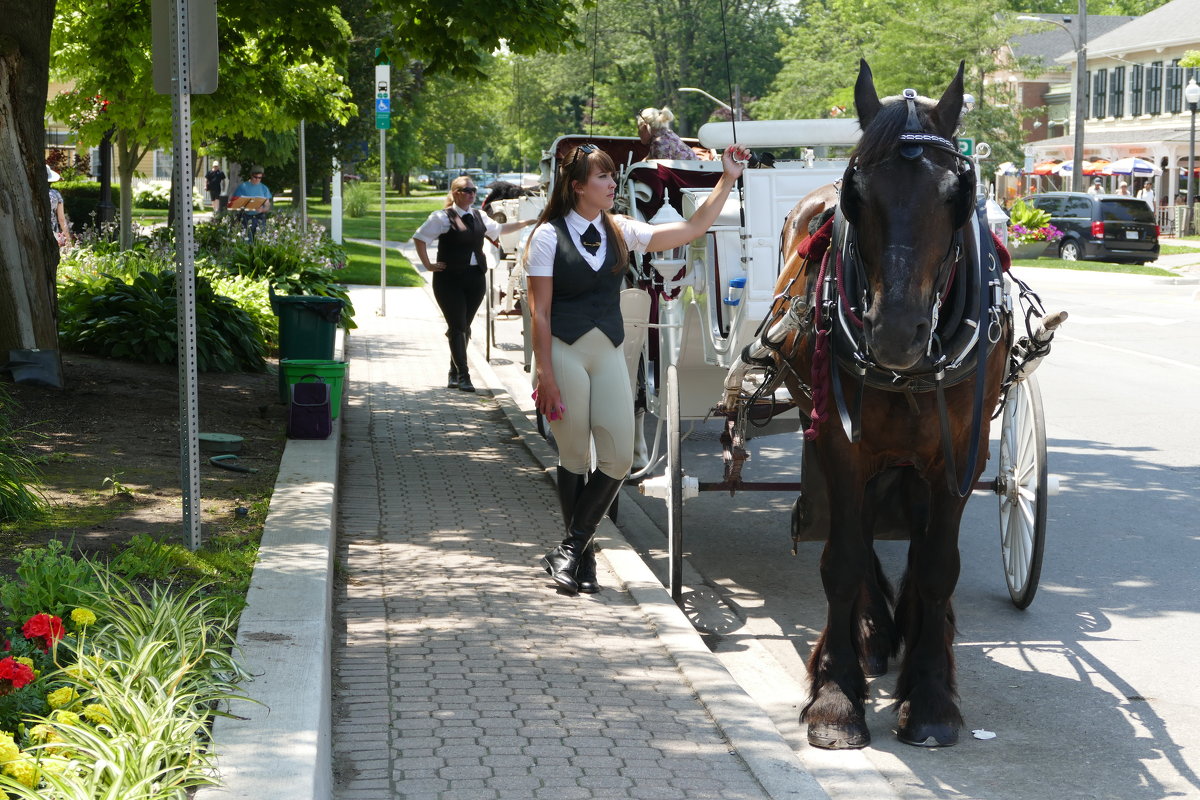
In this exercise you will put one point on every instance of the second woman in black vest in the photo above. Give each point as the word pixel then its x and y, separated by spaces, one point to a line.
pixel 459 282
pixel 575 263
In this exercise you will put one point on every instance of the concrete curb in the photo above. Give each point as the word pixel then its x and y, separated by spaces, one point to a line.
pixel 746 726
pixel 278 747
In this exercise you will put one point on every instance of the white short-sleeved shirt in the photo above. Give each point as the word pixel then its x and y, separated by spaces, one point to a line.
pixel 544 242
pixel 439 222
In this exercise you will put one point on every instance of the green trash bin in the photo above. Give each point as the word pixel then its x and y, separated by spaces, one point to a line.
pixel 307 329
pixel 330 372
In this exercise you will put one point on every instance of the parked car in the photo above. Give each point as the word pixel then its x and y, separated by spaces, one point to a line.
pixel 1107 227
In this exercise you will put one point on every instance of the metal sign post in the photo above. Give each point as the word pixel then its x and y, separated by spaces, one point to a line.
pixel 192 68
pixel 303 183
pixel 383 121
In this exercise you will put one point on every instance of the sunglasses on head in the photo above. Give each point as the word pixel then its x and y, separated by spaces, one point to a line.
pixel 467 189
pixel 582 151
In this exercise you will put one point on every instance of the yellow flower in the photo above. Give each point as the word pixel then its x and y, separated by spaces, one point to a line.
pixel 85 668
pixel 61 698
pixel 65 717
pixel 97 714
pixel 23 770
pixel 43 733
pixel 24 660
pixel 83 616
pixel 8 748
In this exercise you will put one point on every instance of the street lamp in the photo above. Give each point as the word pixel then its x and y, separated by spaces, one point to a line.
pixel 1080 46
pixel 736 115
pixel 1192 95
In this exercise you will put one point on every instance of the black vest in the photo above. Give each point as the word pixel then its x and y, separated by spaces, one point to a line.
pixel 584 298
pixel 455 247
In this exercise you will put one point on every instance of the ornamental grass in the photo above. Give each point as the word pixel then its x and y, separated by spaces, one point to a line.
pixel 116 700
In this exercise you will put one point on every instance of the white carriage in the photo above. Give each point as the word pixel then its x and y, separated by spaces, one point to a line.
pixel 695 308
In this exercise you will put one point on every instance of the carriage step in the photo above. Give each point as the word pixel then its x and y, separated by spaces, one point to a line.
pixel 659 487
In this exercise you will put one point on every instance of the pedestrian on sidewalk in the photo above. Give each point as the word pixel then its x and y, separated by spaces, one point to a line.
pixel 458 273
pixel 214 179
pixel 576 260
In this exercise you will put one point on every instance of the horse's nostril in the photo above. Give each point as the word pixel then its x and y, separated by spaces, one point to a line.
pixel 921 336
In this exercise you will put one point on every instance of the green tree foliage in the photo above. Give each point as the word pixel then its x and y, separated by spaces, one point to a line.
pixel 279 64
pixel 907 45
pixel 456 36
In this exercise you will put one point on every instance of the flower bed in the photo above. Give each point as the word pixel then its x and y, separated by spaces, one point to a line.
pixel 115 699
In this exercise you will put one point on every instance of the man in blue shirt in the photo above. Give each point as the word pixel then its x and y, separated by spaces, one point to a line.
pixel 252 219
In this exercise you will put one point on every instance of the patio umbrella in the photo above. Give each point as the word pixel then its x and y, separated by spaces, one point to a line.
pixel 1007 168
pixel 1089 167
pixel 1132 166
pixel 1045 167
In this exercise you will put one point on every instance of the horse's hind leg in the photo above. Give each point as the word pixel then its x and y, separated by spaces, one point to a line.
pixel 925 693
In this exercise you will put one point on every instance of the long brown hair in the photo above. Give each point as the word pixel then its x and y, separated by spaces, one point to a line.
pixel 577 167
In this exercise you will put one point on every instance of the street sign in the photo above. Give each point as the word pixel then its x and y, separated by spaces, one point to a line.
pixel 202 58
pixel 966 146
pixel 383 93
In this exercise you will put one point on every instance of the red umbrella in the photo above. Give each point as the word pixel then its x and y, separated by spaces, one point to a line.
pixel 1045 167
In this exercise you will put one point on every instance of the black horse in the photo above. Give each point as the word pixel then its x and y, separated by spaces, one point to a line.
pixel 903 359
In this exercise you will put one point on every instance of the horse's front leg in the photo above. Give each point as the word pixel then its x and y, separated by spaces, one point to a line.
pixel 925 690
pixel 835 712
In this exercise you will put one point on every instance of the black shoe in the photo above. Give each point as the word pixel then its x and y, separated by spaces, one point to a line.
pixel 464 382
pixel 452 381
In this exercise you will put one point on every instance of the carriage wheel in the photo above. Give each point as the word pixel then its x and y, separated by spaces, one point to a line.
pixel 675 488
pixel 1022 486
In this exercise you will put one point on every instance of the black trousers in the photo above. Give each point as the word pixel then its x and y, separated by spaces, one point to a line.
pixel 459 291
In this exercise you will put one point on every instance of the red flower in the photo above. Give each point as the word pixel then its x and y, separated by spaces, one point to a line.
pixel 14 675
pixel 45 627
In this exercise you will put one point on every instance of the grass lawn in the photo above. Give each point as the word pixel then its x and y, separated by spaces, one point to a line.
pixel 404 216
pixel 1091 266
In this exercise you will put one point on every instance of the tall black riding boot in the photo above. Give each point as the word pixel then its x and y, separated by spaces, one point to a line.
pixel 570 486
pixel 563 561
pixel 452 378
pixel 458 351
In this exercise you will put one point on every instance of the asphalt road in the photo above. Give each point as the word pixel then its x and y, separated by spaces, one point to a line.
pixel 1092 691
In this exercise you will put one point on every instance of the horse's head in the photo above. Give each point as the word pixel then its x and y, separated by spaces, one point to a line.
pixel 906 198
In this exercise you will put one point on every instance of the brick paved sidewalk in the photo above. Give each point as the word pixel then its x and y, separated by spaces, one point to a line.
pixel 459 672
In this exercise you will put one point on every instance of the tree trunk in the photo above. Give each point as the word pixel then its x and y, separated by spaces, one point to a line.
pixel 130 154
pixel 28 251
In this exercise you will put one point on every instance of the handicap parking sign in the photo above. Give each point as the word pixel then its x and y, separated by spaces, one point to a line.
pixel 383 105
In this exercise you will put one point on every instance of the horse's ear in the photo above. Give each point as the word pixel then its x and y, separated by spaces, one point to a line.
pixel 866 99
pixel 945 115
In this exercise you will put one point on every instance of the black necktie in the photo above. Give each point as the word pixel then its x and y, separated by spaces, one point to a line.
pixel 591 239
pixel 469 221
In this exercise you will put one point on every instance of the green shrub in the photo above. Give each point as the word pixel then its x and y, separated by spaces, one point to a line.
pixel 82 198
pixel 136 320
pixel 49 581
pixel 355 197
pixel 19 499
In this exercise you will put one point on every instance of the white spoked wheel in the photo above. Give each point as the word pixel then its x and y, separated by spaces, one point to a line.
pixel 1022 487
pixel 675 485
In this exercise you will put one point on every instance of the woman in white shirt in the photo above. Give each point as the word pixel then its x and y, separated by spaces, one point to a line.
pixel 575 262
pixel 458 273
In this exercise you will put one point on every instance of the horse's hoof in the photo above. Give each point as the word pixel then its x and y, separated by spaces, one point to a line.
pixel 936 735
pixel 874 666
pixel 850 736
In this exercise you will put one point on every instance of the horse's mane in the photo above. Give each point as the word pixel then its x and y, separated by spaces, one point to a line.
pixel 881 138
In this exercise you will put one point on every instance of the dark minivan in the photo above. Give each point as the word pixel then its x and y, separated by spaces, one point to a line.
pixel 1107 227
